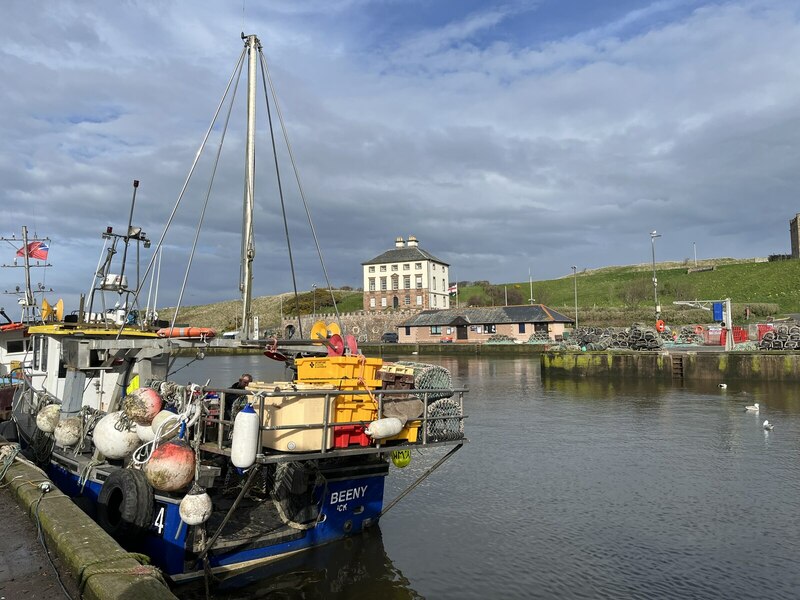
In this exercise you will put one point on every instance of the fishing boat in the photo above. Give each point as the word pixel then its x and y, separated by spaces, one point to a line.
pixel 14 347
pixel 204 479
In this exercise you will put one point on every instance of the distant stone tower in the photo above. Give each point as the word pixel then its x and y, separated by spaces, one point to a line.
pixel 794 231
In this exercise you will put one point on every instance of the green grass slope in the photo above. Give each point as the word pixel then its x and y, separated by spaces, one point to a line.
pixel 607 296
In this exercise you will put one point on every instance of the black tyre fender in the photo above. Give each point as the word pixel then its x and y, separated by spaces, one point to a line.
pixel 125 504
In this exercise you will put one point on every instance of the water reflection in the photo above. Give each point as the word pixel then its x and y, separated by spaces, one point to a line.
pixel 357 567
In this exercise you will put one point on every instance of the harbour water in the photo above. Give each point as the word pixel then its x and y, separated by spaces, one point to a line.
pixel 571 489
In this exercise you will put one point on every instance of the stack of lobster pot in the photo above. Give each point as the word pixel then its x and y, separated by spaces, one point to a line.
pixel 782 337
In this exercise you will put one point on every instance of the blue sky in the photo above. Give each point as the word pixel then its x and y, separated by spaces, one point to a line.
pixel 504 135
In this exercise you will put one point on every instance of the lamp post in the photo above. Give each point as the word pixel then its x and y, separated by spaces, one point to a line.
pixel 314 295
pixel 575 282
pixel 653 236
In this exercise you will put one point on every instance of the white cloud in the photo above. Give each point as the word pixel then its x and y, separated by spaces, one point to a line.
pixel 497 154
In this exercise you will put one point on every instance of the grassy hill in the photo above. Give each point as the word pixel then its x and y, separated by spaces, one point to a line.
pixel 607 296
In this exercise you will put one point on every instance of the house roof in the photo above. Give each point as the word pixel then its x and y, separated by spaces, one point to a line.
pixel 526 313
pixel 407 254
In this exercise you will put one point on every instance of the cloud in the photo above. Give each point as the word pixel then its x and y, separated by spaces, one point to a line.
pixel 499 136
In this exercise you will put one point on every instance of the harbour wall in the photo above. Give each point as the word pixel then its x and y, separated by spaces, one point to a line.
pixel 710 366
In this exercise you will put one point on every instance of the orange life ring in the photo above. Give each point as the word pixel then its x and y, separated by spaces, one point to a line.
pixel 698 329
pixel 12 326
pixel 660 326
pixel 186 332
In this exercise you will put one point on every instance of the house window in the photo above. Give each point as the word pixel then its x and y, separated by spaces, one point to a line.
pixel 407 282
pixel 418 281
pixel 383 302
pixel 383 268
pixel 408 330
pixel 433 266
pixel 372 269
pixel 541 327
pixel 371 284
pixel 419 300
pixel 372 302
pixel 407 300
pixel 418 266
pixel 522 327
pixel 489 329
pixel 434 300
pixel 434 283
pixel 406 267
pixel 394 267
pixel 436 330
pixel 383 283
pixel 395 282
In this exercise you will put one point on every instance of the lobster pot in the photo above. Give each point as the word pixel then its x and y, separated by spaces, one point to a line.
pixel 295 410
pixel 430 377
pixel 448 429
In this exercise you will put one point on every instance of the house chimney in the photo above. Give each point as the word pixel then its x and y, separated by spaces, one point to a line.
pixel 399 243
pixel 412 242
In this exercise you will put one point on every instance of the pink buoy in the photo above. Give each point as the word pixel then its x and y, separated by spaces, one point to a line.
pixel 171 467
pixel 142 405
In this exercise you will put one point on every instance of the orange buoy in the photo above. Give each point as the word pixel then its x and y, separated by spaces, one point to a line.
pixel 12 326
pixel 186 332
pixel 660 326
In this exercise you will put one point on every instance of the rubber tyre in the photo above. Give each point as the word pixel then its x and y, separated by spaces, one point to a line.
pixel 125 504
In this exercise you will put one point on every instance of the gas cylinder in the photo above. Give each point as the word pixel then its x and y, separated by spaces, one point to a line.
pixel 245 442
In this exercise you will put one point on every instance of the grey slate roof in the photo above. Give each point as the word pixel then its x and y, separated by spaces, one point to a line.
pixel 407 254
pixel 527 313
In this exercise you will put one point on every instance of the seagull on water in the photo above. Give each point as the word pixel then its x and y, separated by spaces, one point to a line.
pixel 723 386
pixel 752 408
pixel 768 426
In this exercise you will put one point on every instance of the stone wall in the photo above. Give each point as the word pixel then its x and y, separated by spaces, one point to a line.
pixel 367 326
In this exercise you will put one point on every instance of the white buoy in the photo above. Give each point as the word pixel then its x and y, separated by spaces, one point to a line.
pixel 68 431
pixel 170 430
pixel 145 433
pixel 752 408
pixel 768 426
pixel 112 439
pixel 245 442
pixel 142 405
pixel 384 428
pixel 195 507
pixel 48 417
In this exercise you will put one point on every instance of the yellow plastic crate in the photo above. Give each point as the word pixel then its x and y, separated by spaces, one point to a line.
pixel 409 433
pixel 355 408
pixel 332 369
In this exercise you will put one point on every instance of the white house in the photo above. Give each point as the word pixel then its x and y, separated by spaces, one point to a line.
pixel 406 277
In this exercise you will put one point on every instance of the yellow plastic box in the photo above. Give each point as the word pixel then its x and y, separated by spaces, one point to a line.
pixel 333 369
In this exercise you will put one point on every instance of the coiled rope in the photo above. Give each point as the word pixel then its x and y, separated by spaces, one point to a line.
pixel 144 569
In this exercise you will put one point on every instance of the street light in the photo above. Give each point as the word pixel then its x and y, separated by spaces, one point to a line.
pixel 653 236
pixel 314 295
pixel 575 281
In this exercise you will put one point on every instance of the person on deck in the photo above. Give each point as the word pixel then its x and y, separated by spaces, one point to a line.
pixel 245 380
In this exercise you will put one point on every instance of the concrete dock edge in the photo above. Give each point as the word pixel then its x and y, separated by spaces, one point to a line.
pixel 89 553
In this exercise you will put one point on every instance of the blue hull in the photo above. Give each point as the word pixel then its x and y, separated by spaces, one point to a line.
pixel 346 507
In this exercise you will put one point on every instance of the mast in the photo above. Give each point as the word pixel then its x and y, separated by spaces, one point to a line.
pixel 29 301
pixel 27 297
pixel 248 245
